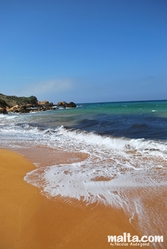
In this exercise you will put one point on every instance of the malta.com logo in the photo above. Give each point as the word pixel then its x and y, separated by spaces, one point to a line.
pixel 126 239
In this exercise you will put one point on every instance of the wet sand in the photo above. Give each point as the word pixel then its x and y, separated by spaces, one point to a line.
pixel 29 220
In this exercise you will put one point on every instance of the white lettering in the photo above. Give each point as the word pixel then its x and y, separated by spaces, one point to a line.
pixel 120 238
pixel 112 238
pixel 135 238
pixel 127 237
pixel 144 238
pixel 151 238
pixel 159 238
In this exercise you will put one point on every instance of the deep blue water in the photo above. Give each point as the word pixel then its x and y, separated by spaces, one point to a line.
pixel 123 119
pixel 126 143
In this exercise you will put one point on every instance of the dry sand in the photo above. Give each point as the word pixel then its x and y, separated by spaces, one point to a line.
pixel 31 221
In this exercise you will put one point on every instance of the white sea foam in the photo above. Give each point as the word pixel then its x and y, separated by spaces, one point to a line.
pixel 113 162
pixel 112 165
pixel 115 165
pixel 118 144
pixel 112 174
pixel 90 181
pixel 95 182
pixel 85 141
pixel 115 169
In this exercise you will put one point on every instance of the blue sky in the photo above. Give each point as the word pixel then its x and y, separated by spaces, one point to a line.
pixel 84 50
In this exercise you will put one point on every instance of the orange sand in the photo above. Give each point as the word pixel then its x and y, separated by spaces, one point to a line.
pixel 31 221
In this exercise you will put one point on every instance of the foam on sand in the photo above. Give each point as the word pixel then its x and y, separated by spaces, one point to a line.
pixel 30 220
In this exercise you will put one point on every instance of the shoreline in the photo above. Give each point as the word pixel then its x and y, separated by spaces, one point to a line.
pixel 30 220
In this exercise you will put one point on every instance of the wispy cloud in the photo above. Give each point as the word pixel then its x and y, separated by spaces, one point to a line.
pixel 48 86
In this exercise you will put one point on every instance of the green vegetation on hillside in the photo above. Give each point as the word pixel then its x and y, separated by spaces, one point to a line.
pixel 10 101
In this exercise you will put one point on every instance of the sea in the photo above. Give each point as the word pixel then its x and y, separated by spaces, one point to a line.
pixel 126 143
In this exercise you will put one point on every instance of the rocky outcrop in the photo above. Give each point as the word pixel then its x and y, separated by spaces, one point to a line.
pixel 3 104
pixel 46 105
pixel 65 104
pixel 28 104
pixel 11 101
pixel 22 104
pixel 3 111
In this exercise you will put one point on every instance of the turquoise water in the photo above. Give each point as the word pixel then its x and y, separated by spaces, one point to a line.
pixel 122 119
pixel 134 120
pixel 126 144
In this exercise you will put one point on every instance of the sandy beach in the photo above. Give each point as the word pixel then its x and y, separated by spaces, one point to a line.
pixel 83 124
pixel 29 220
